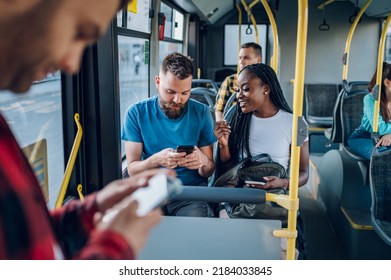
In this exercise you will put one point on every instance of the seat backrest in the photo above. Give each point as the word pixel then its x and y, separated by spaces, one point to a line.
pixel 205 96
pixel 205 83
pixel 230 102
pixel 335 133
pixel 336 127
pixel 351 115
pixel 358 85
pixel 319 103
pixel 230 113
pixel 380 184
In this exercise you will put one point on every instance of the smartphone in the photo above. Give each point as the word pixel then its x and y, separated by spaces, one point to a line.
pixel 187 148
pixel 160 189
pixel 248 182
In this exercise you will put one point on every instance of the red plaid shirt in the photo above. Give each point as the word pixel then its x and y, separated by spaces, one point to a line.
pixel 29 231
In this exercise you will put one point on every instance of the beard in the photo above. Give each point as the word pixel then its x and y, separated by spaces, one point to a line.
pixel 169 111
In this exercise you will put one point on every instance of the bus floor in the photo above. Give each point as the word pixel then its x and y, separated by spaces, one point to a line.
pixel 321 241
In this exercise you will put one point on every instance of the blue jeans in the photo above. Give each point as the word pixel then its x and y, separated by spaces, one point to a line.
pixel 361 143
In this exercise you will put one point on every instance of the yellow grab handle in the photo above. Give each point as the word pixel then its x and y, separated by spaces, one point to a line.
pixel 71 163
pixel 80 191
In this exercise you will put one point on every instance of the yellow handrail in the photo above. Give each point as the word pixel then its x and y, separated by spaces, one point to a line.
pixel 321 6
pixel 70 164
pixel 290 233
pixel 276 47
pixel 379 82
pixel 349 40
pixel 248 10
pixel 80 191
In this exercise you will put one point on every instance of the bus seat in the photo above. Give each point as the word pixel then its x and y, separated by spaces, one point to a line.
pixel 230 102
pixel 205 96
pixel 334 133
pixel 319 103
pixel 351 115
pixel 358 85
pixel 380 184
pixel 230 113
pixel 205 83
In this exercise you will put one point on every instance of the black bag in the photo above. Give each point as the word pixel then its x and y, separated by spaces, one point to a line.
pixel 254 169
pixel 250 169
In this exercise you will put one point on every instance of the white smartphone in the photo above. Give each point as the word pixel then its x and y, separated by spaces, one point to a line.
pixel 254 183
pixel 159 190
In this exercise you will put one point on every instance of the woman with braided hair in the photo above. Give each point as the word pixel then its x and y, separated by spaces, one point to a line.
pixel 262 124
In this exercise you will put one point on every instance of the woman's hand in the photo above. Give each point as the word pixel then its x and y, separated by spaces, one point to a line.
pixel 222 131
pixel 272 182
pixel 385 140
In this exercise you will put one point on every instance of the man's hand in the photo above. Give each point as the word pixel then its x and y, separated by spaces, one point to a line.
pixel 197 159
pixel 114 192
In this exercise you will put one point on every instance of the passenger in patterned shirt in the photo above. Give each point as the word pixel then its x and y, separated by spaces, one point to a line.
pixel 250 53
pixel 39 37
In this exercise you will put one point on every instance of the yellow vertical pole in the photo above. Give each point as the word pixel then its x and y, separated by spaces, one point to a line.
pixel 276 47
pixel 379 82
pixel 301 46
pixel 349 40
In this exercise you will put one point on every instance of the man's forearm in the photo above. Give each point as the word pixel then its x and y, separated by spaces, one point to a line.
pixel 142 165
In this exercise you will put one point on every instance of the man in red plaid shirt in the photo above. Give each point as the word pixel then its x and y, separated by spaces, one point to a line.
pixel 39 37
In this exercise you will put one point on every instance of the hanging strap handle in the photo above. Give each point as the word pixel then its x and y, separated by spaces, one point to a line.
pixel 324 26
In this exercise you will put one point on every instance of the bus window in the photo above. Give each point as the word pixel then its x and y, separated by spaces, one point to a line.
pixel 173 31
pixel 166 48
pixel 138 16
pixel 36 120
pixel 231 31
pixel 133 56
pixel 387 49
pixel 119 18
pixel 178 25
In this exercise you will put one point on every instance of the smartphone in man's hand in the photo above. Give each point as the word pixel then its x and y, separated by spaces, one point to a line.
pixel 188 149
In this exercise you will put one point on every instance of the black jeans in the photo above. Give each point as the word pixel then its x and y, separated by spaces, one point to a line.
pixel 189 209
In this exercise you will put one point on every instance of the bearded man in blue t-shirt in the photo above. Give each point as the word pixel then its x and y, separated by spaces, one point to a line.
pixel 155 127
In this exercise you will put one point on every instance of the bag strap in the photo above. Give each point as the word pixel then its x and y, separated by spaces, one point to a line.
pixel 263 155
pixel 230 173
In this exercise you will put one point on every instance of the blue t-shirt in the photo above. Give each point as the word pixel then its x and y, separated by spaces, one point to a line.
pixel 146 123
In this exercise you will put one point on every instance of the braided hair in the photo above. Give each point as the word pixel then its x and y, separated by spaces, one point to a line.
pixel 239 139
